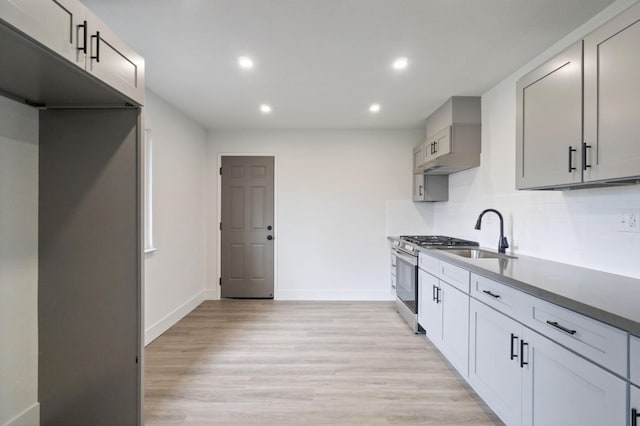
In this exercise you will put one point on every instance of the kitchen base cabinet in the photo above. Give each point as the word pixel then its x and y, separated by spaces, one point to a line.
pixel 563 389
pixel 635 406
pixel 430 308
pixel 494 365
pixel 455 327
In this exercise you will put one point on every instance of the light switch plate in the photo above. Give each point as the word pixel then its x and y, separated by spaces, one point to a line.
pixel 628 220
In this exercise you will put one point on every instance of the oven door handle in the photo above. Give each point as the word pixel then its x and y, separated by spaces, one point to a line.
pixel 412 260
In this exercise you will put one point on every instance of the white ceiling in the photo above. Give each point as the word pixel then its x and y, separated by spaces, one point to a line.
pixel 321 63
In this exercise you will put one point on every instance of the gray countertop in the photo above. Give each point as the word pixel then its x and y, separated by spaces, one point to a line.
pixel 612 299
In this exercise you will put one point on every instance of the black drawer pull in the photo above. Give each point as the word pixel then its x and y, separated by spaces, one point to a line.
pixel 495 296
pixel 522 345
pixel 82 49
pixel 585 166
pixel 571 151
pixel 634 417
pixel 559 327
pixel 97 55
pixel 513 337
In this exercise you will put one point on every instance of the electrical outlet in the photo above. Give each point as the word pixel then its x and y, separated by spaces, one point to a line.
pixel 629 220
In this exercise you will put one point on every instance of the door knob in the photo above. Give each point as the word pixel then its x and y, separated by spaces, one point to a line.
pixel 269 237
pixel 269 228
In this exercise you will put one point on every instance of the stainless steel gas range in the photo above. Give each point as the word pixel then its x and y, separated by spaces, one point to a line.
pixel 406 252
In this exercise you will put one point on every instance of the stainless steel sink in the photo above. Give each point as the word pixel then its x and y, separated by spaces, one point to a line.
pixel 478 254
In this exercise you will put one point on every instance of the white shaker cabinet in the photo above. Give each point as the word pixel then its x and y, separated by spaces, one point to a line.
pixel 635 406
pixel 430 306
pixel 455 327
pixel 73 32
pixel 549 123
pixel 634 358
pixel 563 389
pixel 59 25
pixel 494 361
pixel 113 62
pixel 612 98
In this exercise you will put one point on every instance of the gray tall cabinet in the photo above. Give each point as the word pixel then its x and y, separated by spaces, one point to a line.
pixel 89 87
pixel 577 115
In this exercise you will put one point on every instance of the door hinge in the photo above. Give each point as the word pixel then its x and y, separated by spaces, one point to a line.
pixel 220 281
pixel 220 171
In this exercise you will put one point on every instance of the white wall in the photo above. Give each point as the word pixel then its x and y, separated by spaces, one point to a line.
pixel 18 264
pixel 175 273
pixel 333 192
pixel 576 227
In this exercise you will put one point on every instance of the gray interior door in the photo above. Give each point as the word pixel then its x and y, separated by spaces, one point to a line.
pixel 89 299
pixel 247 227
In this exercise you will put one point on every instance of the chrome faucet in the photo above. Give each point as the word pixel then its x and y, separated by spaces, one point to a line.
pixel 502 243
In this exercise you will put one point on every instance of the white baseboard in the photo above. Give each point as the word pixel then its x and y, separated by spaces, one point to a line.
pixel 338 295
pixel 211 294
pixel 29 417
pixel 155 330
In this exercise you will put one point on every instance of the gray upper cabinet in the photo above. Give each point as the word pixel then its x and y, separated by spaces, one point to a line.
pixel 453 137
pixel 612 98
pixel 113 62
pixel 430 187
pixel 54 24
pixel 72 32
pixel 577 115
pixel 549 123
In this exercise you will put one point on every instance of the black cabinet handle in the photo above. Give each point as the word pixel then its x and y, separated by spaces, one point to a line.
pixel 585 147
pixel 438 300
pixel 433 294
pixel 495 296
pixel 435 147
pixel 522 345
pixel 559 327
pixel 83 49
pixel 634 417
pixel 269 237
pixel 420 190
pixel 571 151
pixel 97 37
pixel 513 337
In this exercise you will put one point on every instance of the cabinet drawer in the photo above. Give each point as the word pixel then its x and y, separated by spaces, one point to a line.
pixel 505 299
pixel 429 264
pixel 592 339
pixel 634 353
pixel 454 275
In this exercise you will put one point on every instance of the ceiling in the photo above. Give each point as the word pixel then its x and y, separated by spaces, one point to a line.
pixel 321 63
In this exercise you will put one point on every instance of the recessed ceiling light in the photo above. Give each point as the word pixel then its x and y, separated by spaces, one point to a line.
pixel 265 109
pixel 375 108
pixel 245 62
pixel 400 64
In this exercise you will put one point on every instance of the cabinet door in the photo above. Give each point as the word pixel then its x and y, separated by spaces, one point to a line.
pixel 549 123
pixel 418 157
pixel 495 376
pixel 455 327
pixel 612 98
pixel 563 389
pixel 58 25
pixel 418 187
pixel 430 310
pixel 442 143
pixel 635 406
pixel 113 62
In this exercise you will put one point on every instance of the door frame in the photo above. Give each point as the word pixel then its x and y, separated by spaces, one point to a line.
pixel 275 215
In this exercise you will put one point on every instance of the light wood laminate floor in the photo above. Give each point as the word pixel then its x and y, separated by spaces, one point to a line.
pixel 260 362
